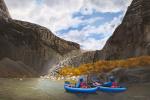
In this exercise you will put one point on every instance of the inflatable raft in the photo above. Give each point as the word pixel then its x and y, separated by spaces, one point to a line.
pixel 80 90
pixel 107 84
pixel 112 90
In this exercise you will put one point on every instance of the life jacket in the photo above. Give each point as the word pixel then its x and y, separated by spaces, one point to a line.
pixel 83 85
pixel 114 85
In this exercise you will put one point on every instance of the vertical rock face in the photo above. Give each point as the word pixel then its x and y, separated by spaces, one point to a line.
pixel 132 36
pixel 34 45
pixel 3 10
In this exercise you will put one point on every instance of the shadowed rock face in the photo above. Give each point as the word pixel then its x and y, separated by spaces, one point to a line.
pixel 10 68
pixel 132 36
pixel 132 75
pixel 3 10
pixel 34 45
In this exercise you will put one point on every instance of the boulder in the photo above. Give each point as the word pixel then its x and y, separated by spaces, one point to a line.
pixel 10 68
pixel 139 74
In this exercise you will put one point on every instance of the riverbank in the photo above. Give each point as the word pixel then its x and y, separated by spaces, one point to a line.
pixel 45 89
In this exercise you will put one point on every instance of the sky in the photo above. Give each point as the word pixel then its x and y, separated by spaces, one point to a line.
pixel 87 22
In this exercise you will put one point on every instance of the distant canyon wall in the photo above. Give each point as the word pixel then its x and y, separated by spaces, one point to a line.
pixel 130 39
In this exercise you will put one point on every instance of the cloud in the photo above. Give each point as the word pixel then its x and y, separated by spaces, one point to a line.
pixel 107 5
pixel 58 15
pixel 85 36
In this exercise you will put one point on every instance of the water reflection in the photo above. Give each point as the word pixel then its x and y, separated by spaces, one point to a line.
pixel 45 89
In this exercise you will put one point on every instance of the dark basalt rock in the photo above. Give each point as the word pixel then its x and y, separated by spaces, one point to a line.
pixel 10 68
pixel 34 45
pixel 133 75
pixel 3 10
pixel 132 36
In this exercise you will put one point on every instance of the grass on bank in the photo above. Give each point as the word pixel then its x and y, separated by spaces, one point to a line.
pixel 104 66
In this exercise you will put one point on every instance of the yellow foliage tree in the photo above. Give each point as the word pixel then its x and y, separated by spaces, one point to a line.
pixel 104 66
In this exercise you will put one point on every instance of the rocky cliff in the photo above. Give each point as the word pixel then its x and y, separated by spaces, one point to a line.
pixel 34 45
pixel 3 10
pixel 132 36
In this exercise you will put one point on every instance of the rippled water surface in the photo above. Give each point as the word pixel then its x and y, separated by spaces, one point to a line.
pixel 45 89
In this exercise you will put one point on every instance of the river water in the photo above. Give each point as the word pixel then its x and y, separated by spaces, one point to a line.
pixel 45 89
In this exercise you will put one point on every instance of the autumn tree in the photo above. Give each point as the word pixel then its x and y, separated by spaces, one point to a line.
pixel 104 66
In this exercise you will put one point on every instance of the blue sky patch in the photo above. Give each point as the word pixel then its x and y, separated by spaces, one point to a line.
pixel 108 15
pixel 102 18
pixel 96 36
pixel 39 2
pixel 77 27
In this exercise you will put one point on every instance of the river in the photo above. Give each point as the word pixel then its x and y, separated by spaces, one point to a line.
pixel 46 89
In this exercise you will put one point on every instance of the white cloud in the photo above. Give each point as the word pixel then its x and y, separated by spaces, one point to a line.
pixel 104 6
pixel 93 44
pixel 57 15
pixel 89 43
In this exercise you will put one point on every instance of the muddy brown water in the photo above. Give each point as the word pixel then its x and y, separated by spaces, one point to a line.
pixel 45 89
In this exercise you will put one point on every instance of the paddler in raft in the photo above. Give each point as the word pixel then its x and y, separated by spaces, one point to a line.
pixel 81 84
pixel 112 83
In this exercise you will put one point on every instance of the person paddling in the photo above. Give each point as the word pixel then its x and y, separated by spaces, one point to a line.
pixel 83 84
pixel 114 84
